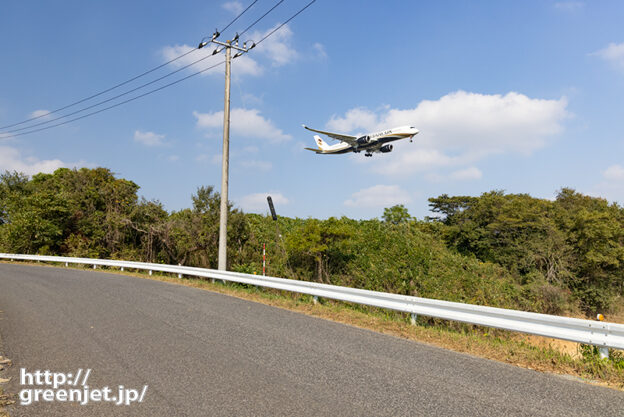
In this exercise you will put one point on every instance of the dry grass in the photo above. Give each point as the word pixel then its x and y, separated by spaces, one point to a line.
pixel 4 400
pixel 532 352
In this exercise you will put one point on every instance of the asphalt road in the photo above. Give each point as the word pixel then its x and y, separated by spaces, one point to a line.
pixel 202 354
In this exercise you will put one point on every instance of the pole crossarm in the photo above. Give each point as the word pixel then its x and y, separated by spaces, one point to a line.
pixel 229 44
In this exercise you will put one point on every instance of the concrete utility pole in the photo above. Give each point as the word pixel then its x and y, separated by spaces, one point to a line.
pixel 225 164
pixel 228 45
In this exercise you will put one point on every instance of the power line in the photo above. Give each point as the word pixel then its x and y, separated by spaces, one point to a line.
pixel 99 103
pixel 113 87
pixel 94 95
pixel 236 18
pixel 291 18
pixel 261 17
pixel 122 102
pixel 159 88
pixel 45 122
pixel 228 46
pixel 250 26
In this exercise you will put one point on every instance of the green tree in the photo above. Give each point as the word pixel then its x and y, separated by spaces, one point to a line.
pixel 396 214
pixel 318 245
pixel 191 236
pixel 506 250
pixel 596 239
pixel 449 207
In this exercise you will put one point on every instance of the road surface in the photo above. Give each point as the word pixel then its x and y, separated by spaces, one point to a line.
pixel 202 353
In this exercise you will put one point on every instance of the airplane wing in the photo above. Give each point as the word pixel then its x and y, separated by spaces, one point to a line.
pixel 351 140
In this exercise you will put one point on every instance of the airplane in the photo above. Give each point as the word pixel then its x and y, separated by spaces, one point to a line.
pixel 373 142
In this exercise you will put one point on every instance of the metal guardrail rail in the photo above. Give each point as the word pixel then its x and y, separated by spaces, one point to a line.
pixel 602 334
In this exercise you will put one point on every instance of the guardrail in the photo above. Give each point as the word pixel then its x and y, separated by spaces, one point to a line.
pixel 602 334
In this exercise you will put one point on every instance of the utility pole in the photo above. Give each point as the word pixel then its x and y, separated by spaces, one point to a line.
pixel 225 164
pixel 228 45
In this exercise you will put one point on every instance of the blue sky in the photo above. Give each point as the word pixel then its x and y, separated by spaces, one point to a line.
pixel 525 97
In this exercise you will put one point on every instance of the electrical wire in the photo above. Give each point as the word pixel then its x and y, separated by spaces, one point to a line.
pixel 99 103
pixel 291 18
pixel 111 88
pixel 240 14
pixel 122 102
pixel 261 17
pixel 94 95
pixel 156 89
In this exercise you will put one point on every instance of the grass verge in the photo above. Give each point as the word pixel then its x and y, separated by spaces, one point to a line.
pixel 531 352
pixel 4 400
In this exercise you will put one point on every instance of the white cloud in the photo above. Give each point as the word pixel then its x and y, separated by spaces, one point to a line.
pixel 258 202
pixel 243 122
pixel 613 53
pixel 11 159
pixel 320 50
pixel 214 159
pixel 244 65
pixel 251 149
pixel 240 66
pixel 354 119
pixel 250 100
pixel 40 114
pixel 612 185
pixel 277 47
pixel 149 138
pixel 172 52
pixel 173 158
pixel 569 6
pixel 614 173
pixel 378 196
pixel 466 174
pixel 417 160
pixel 299 146
pixel 459 129
pixel 233 6
pixel 471 173
pixel 257 165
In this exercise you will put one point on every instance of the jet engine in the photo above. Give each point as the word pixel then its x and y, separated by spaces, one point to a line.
pixel 385 149
pixel 363 140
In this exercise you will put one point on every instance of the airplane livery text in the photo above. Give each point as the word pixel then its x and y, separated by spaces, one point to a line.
pixel 374 142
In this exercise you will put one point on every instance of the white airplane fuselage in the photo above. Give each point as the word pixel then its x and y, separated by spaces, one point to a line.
pixel 372 142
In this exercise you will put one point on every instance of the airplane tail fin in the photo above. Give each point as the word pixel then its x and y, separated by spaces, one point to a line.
pixel 321 143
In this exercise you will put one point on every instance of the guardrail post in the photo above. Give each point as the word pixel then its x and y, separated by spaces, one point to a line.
pixel 604 336
pixel 66 264
pixel 150 272
pixel 602 350
pixel 180 275
pixel 413 318
pixel 122 269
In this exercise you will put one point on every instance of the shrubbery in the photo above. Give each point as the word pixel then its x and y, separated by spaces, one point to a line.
pixel 501 250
